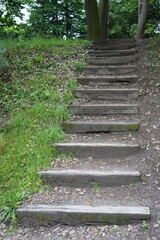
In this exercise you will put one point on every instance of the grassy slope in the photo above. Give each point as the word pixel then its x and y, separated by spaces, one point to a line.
pixel 35 92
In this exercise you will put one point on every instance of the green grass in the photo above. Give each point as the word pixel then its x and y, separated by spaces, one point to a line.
pixel 34 96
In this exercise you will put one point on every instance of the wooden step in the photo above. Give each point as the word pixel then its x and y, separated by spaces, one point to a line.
pixel 110 70
pixel 107 80
pixel 103 109
pixel 107 94
pixel 31 215
pixel 112 53
pixel 112 60
pixel 99 127
pixel 101 150
pixel 117 41
pixel 113 46
pixel 83 179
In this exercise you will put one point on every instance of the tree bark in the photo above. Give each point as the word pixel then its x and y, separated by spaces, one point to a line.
pixel 142 17
pixel 103 17
pixel 92 16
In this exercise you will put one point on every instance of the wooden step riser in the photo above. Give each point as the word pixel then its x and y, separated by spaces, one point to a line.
pixel 74 215
pixel 114 46
pixel 96 150
pixel 109 70
pixel 84 179
pixel 98 127
pixel 111 53
pixel 104 81
pixel 111 60
pixel 103 109
pixel 106 94
pixel 115 41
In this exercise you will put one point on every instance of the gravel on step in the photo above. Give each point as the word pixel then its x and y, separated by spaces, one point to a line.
pixel 109 86
pixel 107 164
pixel 80 101
pixel 113 232
pixel 119 118
pixel 127 195
pixel 105 137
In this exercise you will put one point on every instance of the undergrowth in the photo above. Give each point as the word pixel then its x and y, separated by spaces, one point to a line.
pixel 154 56
pixel 34 96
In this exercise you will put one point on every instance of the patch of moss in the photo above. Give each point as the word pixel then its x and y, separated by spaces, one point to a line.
pixel 105 219
pixel 133 127
pixel 68 127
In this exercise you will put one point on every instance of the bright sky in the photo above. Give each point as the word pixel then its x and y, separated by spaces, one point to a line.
pixel 25 16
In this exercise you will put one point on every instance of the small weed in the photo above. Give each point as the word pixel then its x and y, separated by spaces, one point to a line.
pixel 3 60
pixel 126 233
pixel 154 55
pixel 78 66
pixel 96 186
pixel 145 225
pixel 71 84
pixel 38 59
pixel 113 228
pixel 51 64
pixel 130 185
pixel 2 143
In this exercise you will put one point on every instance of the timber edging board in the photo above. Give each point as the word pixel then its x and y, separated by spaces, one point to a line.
pixel 31 215
pixel 98 150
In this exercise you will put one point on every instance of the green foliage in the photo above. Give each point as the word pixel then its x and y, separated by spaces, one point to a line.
pixel 123 18
pixel 38 59
pixel 145 225
pixel 78 66
pixel 153 22
pixel 96 186
pixel 57 18
pixel 36 100
pixel 8 11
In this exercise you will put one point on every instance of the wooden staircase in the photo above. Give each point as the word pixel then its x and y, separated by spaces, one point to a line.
pixel 107 89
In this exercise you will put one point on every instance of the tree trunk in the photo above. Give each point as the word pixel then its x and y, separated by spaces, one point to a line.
pixel 92 16
pixel 142 17
pixel 103 17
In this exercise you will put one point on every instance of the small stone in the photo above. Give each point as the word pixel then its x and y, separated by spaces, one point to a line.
pixel 112 195
pixel 157 148
pixel 130 227
pixel 156 225
pixel 71 232
pixel 2 226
